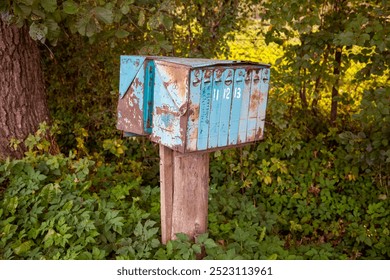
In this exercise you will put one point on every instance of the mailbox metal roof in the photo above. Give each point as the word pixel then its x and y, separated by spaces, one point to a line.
pixel 203 62
pixel 131 64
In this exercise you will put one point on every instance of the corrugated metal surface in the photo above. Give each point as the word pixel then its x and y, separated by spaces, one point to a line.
pixel 193 104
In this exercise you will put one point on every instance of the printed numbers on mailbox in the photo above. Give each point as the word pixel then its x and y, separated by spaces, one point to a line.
pixel 226 93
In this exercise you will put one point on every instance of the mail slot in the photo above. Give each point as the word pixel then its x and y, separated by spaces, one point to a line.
pixel 193 105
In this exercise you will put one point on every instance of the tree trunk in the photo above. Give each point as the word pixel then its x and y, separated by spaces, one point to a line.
pixel 22 92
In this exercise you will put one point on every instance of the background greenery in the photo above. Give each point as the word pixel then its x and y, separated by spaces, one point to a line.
pixel 315 188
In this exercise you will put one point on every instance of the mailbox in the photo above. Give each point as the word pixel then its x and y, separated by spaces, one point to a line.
pixel 192 104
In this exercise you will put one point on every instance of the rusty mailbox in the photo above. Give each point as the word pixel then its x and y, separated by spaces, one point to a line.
pixel 191 104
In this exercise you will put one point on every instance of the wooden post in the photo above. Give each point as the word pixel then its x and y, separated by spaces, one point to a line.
pixel 184 193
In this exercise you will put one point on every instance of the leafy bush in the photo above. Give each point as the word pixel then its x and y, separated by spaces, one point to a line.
pixel 63 207
pixel 304 203
pixel 368 146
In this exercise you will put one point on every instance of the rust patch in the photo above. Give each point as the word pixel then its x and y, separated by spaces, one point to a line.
pixel 166 109
pixel 229 77
pixel 137 82
pixel 183 109
pixel 256 77
pixel 183 132
pixel 192 126
pixel 177 148
pixel 207 75
pixel 130 117
pixel 193 111
pixel 196 81
pixel 259 134
pixel 248 77
pixel 261 97
pixel 155 138
pixel 218 74
pixel 250 136
pixel 230 74
pixel 254 101
pixel 177 77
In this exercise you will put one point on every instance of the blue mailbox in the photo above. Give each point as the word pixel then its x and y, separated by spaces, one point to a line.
pixel 193 105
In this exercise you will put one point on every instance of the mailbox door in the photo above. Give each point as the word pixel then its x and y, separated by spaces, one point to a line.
pixel 136 92
pixel 264 88
pixel 131 96
pixel 170 104
pixel 226 106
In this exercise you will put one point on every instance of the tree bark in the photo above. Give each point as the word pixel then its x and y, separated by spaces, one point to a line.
pixel 22 91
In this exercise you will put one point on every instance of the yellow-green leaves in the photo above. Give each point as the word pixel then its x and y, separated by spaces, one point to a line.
pixel 70 7
pixel 49 5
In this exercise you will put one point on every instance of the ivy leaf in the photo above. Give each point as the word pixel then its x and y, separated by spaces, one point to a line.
pixel 138 229
pixel 24 247
pixel 103 14
pixel 182 236
pixel 81 25
pixel 22 10
pixel 167 22
pixel 38 32
pixel 197 249
pixel 91 29
pixel 70 7
pixel 121 33
pixel 345 39
pixel 125 9
pixel 49 5
pixel 209 243
pixel 169 248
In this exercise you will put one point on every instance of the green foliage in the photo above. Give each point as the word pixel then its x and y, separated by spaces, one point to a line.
pixel 304 203
pixel 323 42
pixel 368 146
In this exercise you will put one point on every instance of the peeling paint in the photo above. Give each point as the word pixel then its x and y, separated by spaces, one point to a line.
pixel 194 105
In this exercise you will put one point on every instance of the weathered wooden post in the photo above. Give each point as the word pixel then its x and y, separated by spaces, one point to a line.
pixel 190 107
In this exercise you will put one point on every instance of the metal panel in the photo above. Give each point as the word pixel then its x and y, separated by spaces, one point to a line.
pixel 129 67
pixel 204 110
pixel 215 108
pixel 238 89
pixel 169 106
pixel 131 105
pixel 262 105
pixel 193 109
pixel 245 107
pixel 226 104
pixel 175 79
pixel 254 101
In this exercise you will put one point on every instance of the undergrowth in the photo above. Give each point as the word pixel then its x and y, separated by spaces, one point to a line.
pixel 266 201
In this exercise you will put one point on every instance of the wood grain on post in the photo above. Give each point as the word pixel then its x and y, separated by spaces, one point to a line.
pixel 166 192
pixel 184 193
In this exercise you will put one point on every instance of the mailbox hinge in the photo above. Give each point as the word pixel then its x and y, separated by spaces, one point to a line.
pixel 149 96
